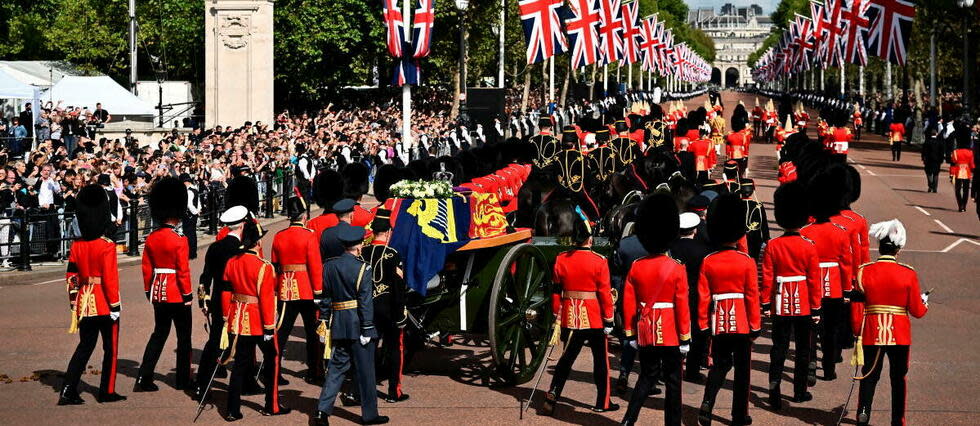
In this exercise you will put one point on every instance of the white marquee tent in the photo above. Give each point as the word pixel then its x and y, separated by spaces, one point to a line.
pixel 87 91
pixel 11 88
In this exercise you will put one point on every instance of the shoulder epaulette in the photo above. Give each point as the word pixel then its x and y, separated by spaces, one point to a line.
pixel 107 239
pixel 906 265
pixel 597 254
pixel 865 264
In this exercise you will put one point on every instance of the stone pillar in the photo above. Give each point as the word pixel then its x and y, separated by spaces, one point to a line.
pixel 238 45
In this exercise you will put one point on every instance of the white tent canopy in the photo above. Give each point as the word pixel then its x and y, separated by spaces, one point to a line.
pixel 11 88
pixel 87 91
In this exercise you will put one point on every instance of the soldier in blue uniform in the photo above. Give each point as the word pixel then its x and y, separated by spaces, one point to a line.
pixel 330 244
pixel 347 308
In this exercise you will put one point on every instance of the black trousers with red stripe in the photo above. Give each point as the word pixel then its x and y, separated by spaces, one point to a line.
pixel 244 367
pixel 898 365
pixel 665 362
pixel 393 350
pixel 89 330
pixel 574 340
pixel 308 311
pixel 727 351
pixel 165 314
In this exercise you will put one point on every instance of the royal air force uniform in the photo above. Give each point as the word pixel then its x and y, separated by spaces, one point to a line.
pixel 296 258
pixel 729 307
pixel 92 282
pixel 167 284
pixel 886 297
pixel 347 313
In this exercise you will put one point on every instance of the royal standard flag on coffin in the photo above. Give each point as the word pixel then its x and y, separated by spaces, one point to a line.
pixel 425 232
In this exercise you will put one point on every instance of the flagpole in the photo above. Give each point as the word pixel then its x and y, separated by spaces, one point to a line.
pixel 888 79
pixel 619 66
pixel 842 78
pixel 821 82
pixel 861 81
pixel 605 80
pixel 551 79
pixel 629 76
pixel 407 88
pixel 500 60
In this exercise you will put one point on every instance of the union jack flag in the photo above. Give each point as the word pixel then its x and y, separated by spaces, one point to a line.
pixel 631 31
pixel 649 43
pixel 542 29
pixel 803 41
pixel 832 46
pixel 583 32
pixel 422 27
pixel 856 24
pixel 891 26
pixel 395 26
pixel 667 53
pixel 610 31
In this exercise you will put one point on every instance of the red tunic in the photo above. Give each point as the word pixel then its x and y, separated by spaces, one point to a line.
pixel 320 223
pixel 896 133
pixel 864 244
pixel 93 278
pixel 891 294
pixel 840 140
pixel 736 145
pixel 360 217
pixel 166 273
pixel 655 302
pixel 791 276
pixel 853 229
pixel 253 295
pixel 787 172
pixel 834 249
pixel 963 164
pixel 296 255
pixel 728 290
pixel 701 149
pixel 584 298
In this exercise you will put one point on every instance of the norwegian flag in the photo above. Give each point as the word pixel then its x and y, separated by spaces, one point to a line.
pixel 649 44
pixel 891 26
pixel 610 31
pixel 542 29
pixel 631 32
pixel 422 27
pixel 854 18
pixel 583 32
pixel 803 41
pixel 395 25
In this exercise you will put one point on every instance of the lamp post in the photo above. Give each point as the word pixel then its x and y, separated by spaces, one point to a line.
pixel 966 5
pixel 461 6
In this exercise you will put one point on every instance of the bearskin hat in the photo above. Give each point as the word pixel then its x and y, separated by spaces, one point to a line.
pixel 790 202
pixel 355 180
pixel 92 212
pixel 328 187
pixel 681 128
pixel 168 199
pixel 854 192
pixel 726 219
pixel 657 222
pixel 738 123
pixel 242 191
pixel 827 191
pixel 386 176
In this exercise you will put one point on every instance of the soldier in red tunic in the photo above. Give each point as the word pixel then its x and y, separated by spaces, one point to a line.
pixel 167 284
pixel 728 305
pixel 251 321
pixel 656 315
pixel 833 243
pixel 887 294
pixel 93 294
pixel 583 305
pixel 701 149
pixel 299 284
pixel 737 145
pixel 790 291
pixel 328 188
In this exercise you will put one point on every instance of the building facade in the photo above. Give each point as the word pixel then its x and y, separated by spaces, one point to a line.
pixel 737 32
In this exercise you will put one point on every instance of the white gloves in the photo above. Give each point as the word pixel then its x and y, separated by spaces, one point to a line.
pixel 365 340
pixel 685 348
pixel 316 302
pixel 607 330
pixel 634 345
pixel 114 316
pixel 925 299
pixel 267 337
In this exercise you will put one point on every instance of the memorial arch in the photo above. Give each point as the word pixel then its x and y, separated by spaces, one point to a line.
pixel 737 32
pixel 716 76
pixel 732 77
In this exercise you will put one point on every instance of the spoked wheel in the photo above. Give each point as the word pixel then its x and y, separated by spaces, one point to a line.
pixel 520 313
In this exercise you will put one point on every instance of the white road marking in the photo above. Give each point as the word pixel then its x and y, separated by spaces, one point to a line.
pixel 49 282
pixel 943 225
pixel 945 250
pixel 922 210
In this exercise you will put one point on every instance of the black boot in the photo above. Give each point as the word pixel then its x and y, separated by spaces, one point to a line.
pixel 69 396
pixel 550 401
pixel 704 414
pixel 321 419
pixel 275 411
pixel 391 399
pixel 380 420
pixel 145 385
pixel 231 417
pixel 348 400
pixel 775 396
pixel 864 416
pixel 622 385
pixel 744 421
pixel 109 397
pixel 802 397
pixel 612 407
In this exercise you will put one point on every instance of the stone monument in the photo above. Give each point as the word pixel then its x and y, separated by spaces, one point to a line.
pixel 238 62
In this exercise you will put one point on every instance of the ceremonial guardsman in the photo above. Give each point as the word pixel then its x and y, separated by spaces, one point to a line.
pixel 840 139
pixel 962 168
pixel 167 284
pixel 655 309
pixel 791 292
pixel 299 284
pixel 251 321
pixel 858 121
pixel 834 248
pixel 347 316
pixel 584 307
pixel 213 296
pixel 728 290
pixel 701 149
pixel 757 115
pixel 887 294
pixel 390 316
pixel 545 143
pixel 896 137
pixel 93 294
pixel 737 145
pixel 570 165
pixel 328 188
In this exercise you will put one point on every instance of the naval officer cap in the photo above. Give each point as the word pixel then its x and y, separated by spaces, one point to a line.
pixel 689 220
pixel 345 205
pixel 351 235
pixel 234 215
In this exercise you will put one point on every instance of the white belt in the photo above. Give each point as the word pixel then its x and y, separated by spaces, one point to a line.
pixel 829 264
pixel 792 279
pixel 726 296
pixel 662 305
pixel 164 271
